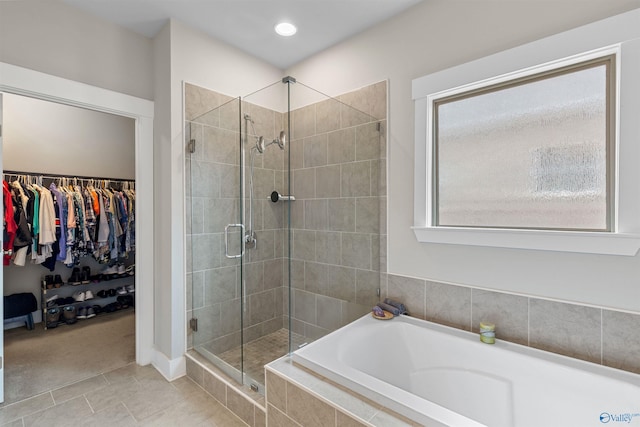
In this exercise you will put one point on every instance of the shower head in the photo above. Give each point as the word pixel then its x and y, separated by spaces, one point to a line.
pixel 281 140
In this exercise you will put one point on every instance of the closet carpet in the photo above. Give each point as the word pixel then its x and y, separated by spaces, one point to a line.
pixel 37 361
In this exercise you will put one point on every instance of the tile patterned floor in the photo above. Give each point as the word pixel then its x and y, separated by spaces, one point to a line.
pixel 128 396
pixel 262 351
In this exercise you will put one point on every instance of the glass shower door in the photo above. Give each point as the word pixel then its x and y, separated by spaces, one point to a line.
pixel 214 234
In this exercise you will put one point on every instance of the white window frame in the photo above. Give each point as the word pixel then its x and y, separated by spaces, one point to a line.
pixel 619 35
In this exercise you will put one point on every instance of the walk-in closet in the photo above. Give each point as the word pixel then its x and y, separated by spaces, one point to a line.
pixel 69 196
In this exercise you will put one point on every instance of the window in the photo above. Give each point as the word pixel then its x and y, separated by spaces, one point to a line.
pixel 530 153
pixel 535 147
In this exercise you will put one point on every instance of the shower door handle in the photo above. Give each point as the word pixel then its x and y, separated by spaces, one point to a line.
pixel 226 240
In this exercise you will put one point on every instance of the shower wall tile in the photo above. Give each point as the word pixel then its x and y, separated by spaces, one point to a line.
pixel 329 312
pixel 356 179
pixel 566 329
pixel 254 277
pixel 315 278
pixel 229 179
pixel 304 245
pixel 297 274
pixel 221 285
pixel 367 215
pixel 304 183
pixel 316 214
pixel 273 270
pixel 327 115
pixel 328 247
pixel 230 313
pixel 341 146
pixel 353 109
pixel 205 179
pixel 199 100
pixel 367 285
pixel 304 306
pixel 341 283
pixel 195 215
pixel 356 250
pixel 274 158
pixel 264 120
pixel 296 149
pixel 266 248
pixel 263 183
pixel 272 214
pixel 621 340
pixel 229 113
pixel 328 181
pixel 315 151
pixel 368 142
pixel 508 312
pixel 195 282
pixel 304 122
pixel 343 214
pixel 297 214
pixel 221 146
pixel 215 214
pixel 208 320
pixel 206 251
pixel 262 306
pixel 378 100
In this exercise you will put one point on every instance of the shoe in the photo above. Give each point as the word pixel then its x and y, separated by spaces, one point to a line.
pixel 121 269
pixel 110 270
pixel 48 282
pixel 88 295
pixel 97 309
pixel 131 288
pixel 85 275
pixel 66 301
pixel 57 281
pixel 121 291
pixel 75 278
pixel 103 293
pixel 53 316
pixel 130 270
pixel 69 314
pixel 82 313
pixel 112 292
pixel 51 301
pixel 90 313
pixel 79 296
pixel 109 308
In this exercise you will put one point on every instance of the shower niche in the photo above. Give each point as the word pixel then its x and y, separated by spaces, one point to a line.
pixel 286 212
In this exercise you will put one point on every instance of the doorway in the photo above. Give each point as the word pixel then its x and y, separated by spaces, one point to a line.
pixel 21 81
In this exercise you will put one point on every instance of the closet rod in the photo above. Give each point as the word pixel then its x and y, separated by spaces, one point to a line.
pixel 55 176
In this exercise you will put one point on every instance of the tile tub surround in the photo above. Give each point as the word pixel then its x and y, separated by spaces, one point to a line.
pixel 298 397
pixel 597 335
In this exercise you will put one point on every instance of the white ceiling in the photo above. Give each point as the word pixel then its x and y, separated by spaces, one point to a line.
pixel 248 24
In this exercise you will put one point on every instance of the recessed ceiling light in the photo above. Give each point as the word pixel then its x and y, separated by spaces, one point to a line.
pixel 286 29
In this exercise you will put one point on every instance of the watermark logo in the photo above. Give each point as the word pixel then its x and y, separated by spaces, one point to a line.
pixel 619 417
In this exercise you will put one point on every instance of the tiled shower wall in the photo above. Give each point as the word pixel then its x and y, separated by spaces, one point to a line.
pixel 338 164
pixel 338 221
pixel 213 201
pixel 597 335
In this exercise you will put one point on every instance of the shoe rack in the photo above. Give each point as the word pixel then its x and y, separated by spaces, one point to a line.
pixel 104 291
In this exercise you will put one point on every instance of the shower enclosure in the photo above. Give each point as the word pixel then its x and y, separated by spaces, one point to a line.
pixel 286 213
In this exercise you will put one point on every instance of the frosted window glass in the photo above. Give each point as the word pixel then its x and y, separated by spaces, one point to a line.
pixel 530 155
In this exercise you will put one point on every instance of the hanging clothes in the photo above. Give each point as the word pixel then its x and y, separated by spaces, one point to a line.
pixel 66 222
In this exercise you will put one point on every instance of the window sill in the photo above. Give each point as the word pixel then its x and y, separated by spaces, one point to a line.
pixel 560 241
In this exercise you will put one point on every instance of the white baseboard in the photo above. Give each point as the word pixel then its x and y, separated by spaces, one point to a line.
pixel 171 369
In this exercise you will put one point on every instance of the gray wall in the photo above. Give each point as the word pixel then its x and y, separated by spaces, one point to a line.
pixel 54 38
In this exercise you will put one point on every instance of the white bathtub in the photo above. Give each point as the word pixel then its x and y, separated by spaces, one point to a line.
pixel 438 375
